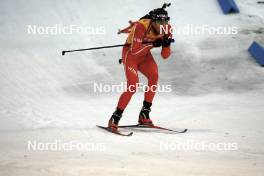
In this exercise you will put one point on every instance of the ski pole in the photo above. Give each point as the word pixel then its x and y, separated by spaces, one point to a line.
pixel 94 48
pixel 102 47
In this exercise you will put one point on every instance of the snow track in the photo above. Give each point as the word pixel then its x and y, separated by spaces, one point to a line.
pixel 217 91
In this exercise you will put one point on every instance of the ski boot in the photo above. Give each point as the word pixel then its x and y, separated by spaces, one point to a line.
pixel 113 121
pixel 144 115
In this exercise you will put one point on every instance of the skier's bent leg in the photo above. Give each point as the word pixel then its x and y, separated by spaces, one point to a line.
pixel 130 66
pixel 150 70
pixel 131 70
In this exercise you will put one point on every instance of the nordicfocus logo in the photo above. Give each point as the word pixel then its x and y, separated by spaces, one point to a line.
pixel 191 29
pixel 198 146
pixel 119 88
pixel 58 145
pixel 59 29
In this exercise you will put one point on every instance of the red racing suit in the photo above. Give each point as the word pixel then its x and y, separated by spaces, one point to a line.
pixel 137 57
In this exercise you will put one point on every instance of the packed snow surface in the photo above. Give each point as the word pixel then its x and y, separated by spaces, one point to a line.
pixel 217 92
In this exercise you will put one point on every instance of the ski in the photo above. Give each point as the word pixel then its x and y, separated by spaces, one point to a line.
pixel 153 127
pixel 117 133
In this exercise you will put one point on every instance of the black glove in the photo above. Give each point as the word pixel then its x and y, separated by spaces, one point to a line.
pixel 166 42
pixel 157 43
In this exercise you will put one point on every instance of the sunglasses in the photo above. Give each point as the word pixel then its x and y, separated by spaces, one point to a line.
pixel 162 21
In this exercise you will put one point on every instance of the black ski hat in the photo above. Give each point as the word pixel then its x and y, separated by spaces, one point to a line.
pixel 159 14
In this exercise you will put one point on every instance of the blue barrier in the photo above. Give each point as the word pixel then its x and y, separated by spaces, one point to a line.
pixel 228 6
pixel 257 51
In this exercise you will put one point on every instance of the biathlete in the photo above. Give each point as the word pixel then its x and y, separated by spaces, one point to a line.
pixel 143 35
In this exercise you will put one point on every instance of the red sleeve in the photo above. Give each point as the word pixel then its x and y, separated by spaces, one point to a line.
pixel 166 51
pixel 137 48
